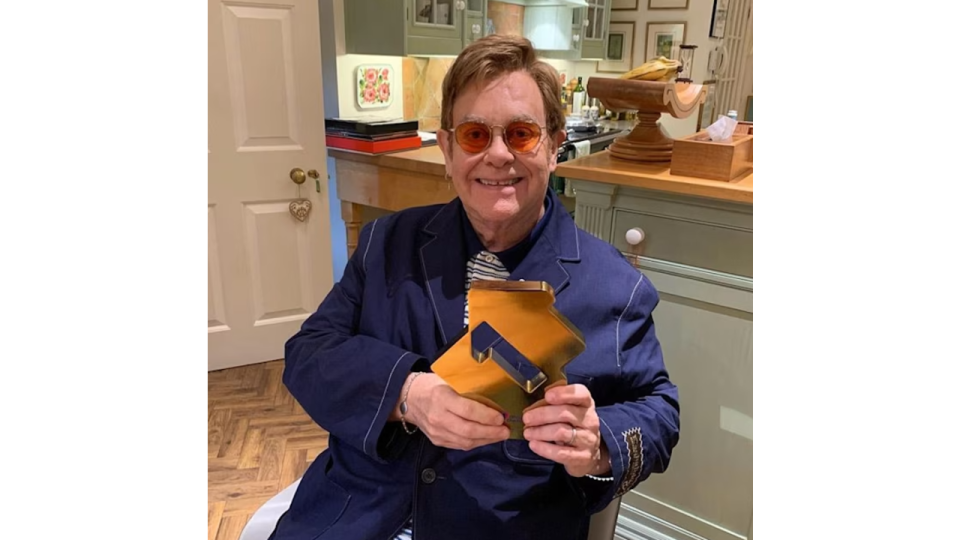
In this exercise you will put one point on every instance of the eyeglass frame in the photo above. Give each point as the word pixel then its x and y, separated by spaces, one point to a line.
pixel 493 133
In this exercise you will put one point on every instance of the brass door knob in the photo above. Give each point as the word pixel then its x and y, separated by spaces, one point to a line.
pixel 299 177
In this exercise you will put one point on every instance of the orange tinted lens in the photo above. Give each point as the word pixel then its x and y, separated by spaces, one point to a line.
pixel 473 136
pixel 522 136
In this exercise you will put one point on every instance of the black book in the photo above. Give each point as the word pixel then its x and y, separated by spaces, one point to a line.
pixel 371 127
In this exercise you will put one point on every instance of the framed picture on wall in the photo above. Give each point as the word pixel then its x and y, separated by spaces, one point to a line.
pixel 718 21
pixel 664 39
pixel 619 54
pixel 667 4
pixel 624 5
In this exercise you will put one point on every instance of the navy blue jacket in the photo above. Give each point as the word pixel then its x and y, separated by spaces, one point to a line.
pixel 399 303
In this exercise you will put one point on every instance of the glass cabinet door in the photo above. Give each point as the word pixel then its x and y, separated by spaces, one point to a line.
pixel 436 12
pixel 595 25
pixel 435 26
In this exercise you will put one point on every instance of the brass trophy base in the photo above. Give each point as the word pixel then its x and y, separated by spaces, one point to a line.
pixel 515 348
pixel 647 142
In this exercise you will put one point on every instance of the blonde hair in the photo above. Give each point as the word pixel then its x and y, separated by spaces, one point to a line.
pixel 492 57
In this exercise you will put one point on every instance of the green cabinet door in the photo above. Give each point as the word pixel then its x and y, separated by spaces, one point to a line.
pixel 595 29
pixel 435 27
pixel 474 21
pixel 411 27
pixel 704 322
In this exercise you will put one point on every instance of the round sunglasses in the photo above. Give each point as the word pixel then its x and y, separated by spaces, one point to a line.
pixel 520 137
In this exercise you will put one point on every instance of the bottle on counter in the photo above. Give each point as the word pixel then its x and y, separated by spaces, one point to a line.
pixel 732 114
pixel 593 112
pixel 578 93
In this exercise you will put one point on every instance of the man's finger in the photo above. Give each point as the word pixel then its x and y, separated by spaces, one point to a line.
pixel 475 431
pixel 570 394
pixel 555 414
pixel 559 433
pixel 475 411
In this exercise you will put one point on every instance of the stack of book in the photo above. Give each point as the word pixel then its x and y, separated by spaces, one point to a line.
pixel 372 136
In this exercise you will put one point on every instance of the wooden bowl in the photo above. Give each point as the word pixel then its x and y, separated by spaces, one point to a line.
pixel 647 142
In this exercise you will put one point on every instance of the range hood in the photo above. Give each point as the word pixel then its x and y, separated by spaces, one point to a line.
pixel 547 3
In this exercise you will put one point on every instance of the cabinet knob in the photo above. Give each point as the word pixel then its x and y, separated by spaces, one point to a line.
pixel 476 29
pixel 461 5
pixel 586 23
pixel 635 236
pixel 576 37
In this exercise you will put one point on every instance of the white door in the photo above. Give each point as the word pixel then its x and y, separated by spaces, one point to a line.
pixel 267 270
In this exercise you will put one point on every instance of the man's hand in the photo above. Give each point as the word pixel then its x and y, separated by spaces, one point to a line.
pixel 449 420
pixel 567 430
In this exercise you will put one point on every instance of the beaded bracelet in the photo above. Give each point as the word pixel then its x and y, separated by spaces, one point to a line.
pixel 603 478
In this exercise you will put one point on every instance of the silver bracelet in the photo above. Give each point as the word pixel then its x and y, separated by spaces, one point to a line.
pixel 403 405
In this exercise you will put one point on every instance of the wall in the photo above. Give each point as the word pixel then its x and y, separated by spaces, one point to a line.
pixel 423 82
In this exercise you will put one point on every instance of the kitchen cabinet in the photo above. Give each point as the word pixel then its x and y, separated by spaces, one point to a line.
pixel 698 254
pixel 475 21
pixel 595 25
pixel 569 33
pixel 412 27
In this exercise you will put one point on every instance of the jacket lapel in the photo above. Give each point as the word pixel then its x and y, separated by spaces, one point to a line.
pixel 558 245
pixel 442 259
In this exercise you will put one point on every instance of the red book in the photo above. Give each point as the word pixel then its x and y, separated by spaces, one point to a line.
pixel 373 147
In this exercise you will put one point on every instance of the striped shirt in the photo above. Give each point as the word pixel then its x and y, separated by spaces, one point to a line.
pixel 483 266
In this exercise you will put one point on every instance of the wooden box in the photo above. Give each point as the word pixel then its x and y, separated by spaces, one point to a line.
pixel 696 155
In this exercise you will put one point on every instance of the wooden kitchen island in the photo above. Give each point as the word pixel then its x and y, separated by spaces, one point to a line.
pixel 693 239
pixel 388 182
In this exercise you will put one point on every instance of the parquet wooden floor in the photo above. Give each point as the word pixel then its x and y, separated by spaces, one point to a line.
pixel 259 441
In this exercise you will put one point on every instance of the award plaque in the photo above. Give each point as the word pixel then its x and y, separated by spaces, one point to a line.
pixel 513 349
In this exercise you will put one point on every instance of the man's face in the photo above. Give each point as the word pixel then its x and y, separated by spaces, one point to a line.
pixel 498 185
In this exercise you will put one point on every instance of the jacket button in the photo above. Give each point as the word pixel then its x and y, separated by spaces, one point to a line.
pixel 428 476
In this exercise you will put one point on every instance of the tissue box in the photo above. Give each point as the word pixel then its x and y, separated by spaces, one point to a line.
pixel 696 155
